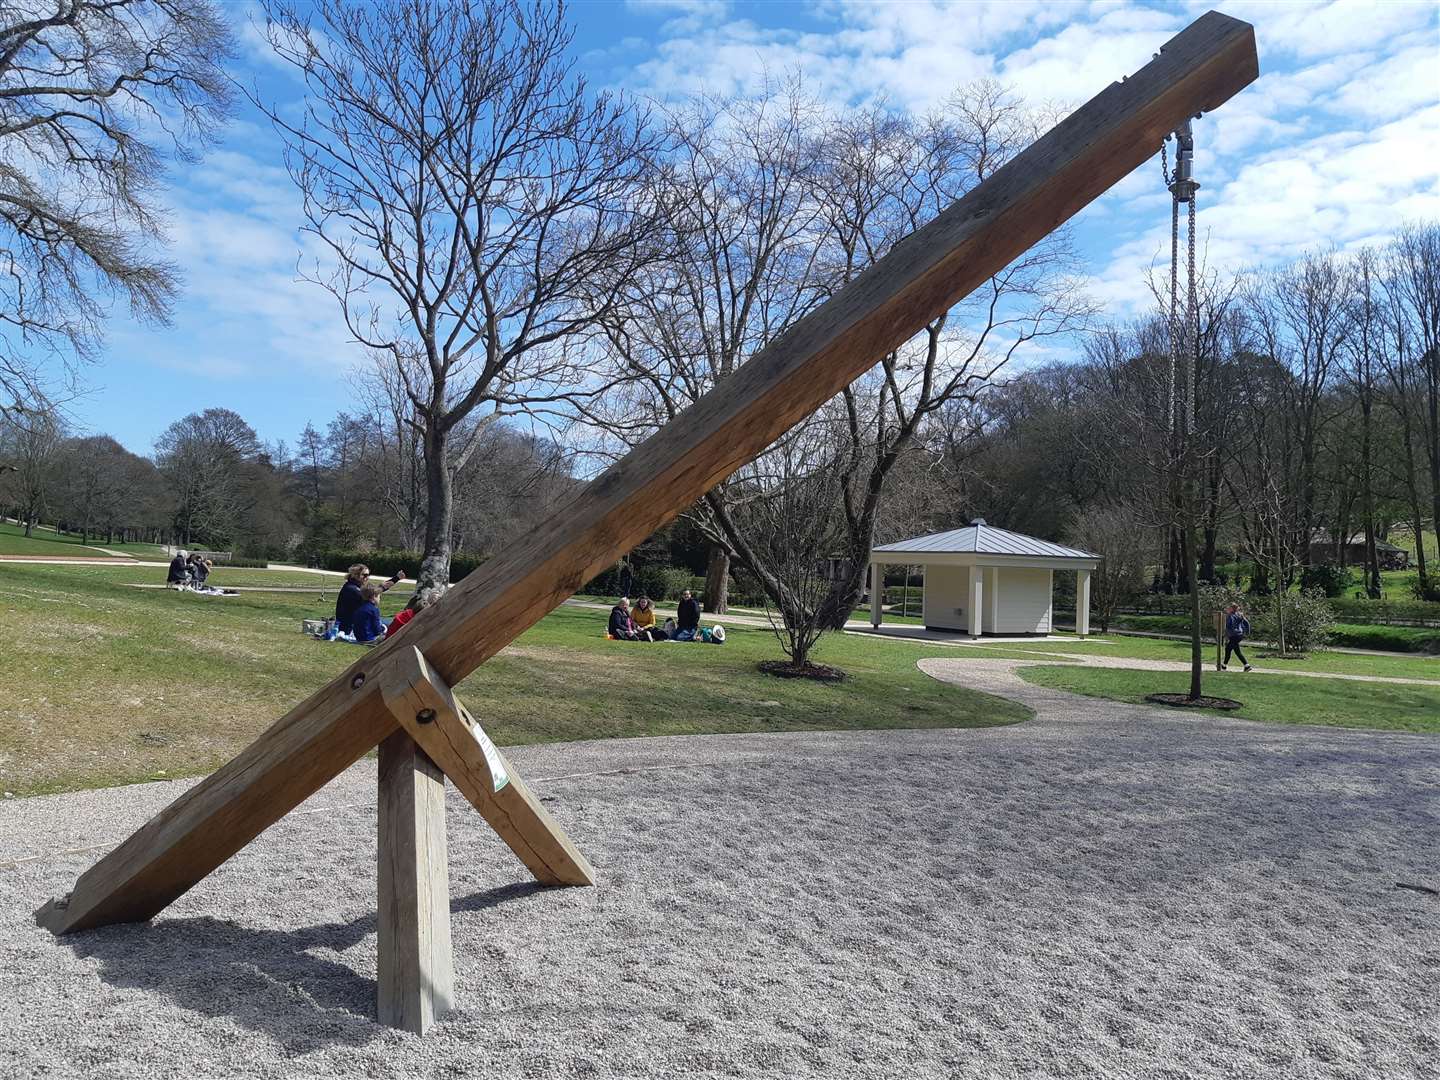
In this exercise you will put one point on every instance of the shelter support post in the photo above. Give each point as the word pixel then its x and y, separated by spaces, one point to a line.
pixel 415 980
pixel 1082 602
pixel 977 600
pixel 992 597
pixel 877 593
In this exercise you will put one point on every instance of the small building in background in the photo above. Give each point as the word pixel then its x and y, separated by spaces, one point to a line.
pixel 984 580
pixel 1325 551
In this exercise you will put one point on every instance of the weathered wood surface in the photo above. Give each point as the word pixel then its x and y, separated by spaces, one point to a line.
pixel 1118 130
pixel 415 977
pixel 459 745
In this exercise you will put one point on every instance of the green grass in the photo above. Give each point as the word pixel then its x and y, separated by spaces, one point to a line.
pixel 106 684
pixel 1400 639
pixel 1399 666
pixel 1272 699
pixel 13 541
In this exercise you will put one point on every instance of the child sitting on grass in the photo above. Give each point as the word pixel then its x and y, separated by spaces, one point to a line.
pixel 422 599
pixel 368 624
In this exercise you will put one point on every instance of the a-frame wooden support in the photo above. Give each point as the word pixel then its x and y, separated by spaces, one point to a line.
pixel 923 276
pixel 438 738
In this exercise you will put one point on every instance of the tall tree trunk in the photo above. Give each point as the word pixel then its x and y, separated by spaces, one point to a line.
pixel 1372 556
pixel 717 580
pixel 1197 660
pixel 435 566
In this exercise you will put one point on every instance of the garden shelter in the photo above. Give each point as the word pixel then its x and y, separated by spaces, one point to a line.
pixel 984 580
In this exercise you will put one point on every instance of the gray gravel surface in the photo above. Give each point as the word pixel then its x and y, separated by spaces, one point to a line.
pixel 1106 891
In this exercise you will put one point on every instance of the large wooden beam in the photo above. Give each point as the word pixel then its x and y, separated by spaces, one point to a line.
pixel 1118 130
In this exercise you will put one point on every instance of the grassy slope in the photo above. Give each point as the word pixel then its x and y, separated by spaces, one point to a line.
pixel 107 684
pixel 13 541
pixel 1273 699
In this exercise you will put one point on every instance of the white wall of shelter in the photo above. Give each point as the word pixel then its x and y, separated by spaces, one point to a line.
pixel 980 580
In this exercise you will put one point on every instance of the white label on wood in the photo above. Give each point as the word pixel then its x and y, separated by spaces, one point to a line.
pixel 492 755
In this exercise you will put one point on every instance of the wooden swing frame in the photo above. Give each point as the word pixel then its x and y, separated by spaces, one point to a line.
pixel 398 696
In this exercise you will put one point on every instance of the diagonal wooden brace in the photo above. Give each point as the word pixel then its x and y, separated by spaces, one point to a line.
pixel 444 729
pixel 922 277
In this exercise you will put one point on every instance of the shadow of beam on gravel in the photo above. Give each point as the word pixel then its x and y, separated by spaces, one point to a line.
pixel 293 985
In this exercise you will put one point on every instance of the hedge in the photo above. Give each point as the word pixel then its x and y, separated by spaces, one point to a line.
pixel 385 563
pixel 246 564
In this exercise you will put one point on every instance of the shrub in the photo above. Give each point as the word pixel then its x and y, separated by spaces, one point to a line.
pixel 236 561
pixel 385 563
pixel 1429 595
pixel 1307 615
pixel 660 582
pixel 1329 579
pixel 1382 612
pixel 1389 638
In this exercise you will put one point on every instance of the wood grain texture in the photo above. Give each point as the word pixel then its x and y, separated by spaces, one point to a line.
pixel 415 978
pixel 1122 127
pixel 459 746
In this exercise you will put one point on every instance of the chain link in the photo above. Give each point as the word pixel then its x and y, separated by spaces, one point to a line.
pixel 1193 318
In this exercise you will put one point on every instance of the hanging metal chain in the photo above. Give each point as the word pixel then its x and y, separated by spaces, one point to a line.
pixel 1192 318
pixel 1174 310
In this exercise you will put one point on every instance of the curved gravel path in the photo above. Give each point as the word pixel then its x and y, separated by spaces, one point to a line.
pixel 1105 891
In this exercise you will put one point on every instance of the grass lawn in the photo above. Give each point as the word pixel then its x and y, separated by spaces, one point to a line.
pixel 1400 665
pixel 105 684
pixel 1273 699
pixel 13 541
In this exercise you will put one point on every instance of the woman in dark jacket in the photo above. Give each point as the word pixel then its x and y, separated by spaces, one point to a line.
pixel 177 570
pixel 621 628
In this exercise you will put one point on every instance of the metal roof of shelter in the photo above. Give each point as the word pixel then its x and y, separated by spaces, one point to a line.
pixel 979 538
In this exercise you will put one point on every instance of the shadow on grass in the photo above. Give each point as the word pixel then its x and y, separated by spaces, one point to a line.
pixel 295 986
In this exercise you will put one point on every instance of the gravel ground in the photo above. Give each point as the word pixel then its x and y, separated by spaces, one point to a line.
pixel 1106 891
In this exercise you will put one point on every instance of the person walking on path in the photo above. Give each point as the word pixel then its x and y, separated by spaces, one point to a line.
pixel 1237 627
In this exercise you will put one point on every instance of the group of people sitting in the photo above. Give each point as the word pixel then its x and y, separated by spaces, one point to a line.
pixel 357 608
pixel 189 571
pixel 637 622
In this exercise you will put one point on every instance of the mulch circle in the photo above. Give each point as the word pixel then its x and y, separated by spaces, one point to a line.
pixel 1185 701
pixel 784 670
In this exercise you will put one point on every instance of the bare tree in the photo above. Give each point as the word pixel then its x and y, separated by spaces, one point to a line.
pixel 740 244
pixel 1115 532
pixel 206 459
pixel 1414 281
pixel 89 91
pixel 478 203
pixel 29 444
pixel 790 522
pixel 883 178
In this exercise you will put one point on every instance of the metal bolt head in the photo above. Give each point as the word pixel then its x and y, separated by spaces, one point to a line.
pixel 425 716
pixel 358 681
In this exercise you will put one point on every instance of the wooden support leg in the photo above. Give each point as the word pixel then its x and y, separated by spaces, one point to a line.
pixel 445 730
pixel 415 971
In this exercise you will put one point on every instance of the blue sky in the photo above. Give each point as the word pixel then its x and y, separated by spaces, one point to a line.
pixel 1339 142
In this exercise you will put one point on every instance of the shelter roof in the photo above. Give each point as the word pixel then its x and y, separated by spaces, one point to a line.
pixel 979 538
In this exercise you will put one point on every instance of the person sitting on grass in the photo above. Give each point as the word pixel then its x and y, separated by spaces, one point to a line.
pixel 642 617
pixel 177 574
pixel 688 620
pixel 349 600
pixel 621 627
pixel 1236 629
pixel 199 571
pixel 367 622
pixel 421 599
